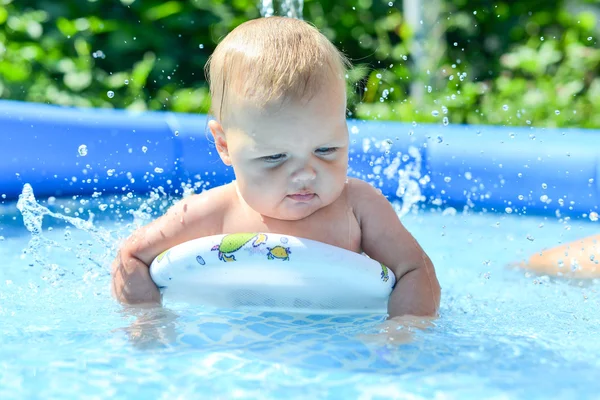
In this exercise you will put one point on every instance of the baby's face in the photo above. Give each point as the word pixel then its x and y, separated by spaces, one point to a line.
pixel 293 161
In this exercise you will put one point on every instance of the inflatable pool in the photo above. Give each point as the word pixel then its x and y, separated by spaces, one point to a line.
pixel 97 174
pixel 66 151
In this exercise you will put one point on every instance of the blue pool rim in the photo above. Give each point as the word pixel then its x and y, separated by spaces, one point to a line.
pixel 532 170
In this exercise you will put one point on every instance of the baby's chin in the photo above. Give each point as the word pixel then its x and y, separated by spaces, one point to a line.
pixel 289 210
pixel 293 215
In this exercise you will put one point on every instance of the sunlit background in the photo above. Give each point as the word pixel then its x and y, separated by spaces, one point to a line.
pixel 527 62
pixel 503 332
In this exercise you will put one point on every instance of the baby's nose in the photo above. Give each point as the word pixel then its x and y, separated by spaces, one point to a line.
pixel 307 173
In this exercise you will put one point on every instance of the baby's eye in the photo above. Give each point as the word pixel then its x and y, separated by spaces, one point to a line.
pixel 326 150
pixel 274 158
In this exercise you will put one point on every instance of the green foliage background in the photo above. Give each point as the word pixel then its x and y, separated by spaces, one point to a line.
pixel 496 62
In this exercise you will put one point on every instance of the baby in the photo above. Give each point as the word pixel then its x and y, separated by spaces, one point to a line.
pixel 279 100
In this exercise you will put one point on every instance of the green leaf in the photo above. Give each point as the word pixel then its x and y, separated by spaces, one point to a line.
pixel 141 70
pixel 77 80
pixel 163 10
pixel 66 27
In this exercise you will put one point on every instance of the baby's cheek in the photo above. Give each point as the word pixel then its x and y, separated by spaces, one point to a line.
pixel 261 193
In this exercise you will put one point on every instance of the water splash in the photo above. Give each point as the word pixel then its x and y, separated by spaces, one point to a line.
pixel 33 214
pixel 410 181
pixel 403 168
pixel 287 8
pixel 266 8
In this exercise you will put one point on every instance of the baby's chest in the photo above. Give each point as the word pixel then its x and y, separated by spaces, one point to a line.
pixel 339 229
pixel 343 232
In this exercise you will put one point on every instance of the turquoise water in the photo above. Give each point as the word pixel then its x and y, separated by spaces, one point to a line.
pixel 502 333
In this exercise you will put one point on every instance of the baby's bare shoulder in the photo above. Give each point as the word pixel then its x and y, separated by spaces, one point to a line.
pixel 365 199
pixel 360 191
pixel 209 205
pixel 190 218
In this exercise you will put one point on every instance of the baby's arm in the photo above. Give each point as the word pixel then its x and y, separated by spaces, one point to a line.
pixel 190 218
pixel 579 259
pixel 384 238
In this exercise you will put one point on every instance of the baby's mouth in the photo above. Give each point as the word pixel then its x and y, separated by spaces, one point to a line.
pixel 302 196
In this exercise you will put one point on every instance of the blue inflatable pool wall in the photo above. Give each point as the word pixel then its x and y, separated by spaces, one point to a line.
pixel 539 171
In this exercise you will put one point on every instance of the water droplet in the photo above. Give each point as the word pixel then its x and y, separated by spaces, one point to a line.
pixel 103 207
pixel 378 76
pixel 82 150
pixel 354 130
pixel 530 238
pixel 508 210
pixel 99 54
pixel 201 46
pixel 544 186
pixel 176 133
pixel 589 38
pixel 447 179
pixel 445 121
pixel 468 175
pixel 110 94
pixel 435 113
pixel 127 81
pixel 144 149
pixel 158 170
pixel 505 107
pixel 557 112
pixel 594 216
pixel 521 197
pixel 429 89
pixel 110 172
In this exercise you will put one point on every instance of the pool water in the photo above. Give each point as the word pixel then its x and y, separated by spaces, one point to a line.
pixel 502 333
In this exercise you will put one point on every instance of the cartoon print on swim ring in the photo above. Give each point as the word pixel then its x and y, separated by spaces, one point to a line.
pixel 235 241
pixel 162 255
pixel 280 252
pixel 385 273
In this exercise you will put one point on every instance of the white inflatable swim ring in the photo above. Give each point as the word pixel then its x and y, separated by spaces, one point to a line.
pixel 271 271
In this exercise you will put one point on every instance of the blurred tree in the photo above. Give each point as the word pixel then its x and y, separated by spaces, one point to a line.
pixel 501 62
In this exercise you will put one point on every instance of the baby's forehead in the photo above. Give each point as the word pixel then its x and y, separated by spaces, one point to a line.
pixel 292 137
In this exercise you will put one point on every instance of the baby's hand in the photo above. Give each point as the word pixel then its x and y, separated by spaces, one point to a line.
pixel 154 327
pixel 131 281
pixel 186 220
pixel 399 330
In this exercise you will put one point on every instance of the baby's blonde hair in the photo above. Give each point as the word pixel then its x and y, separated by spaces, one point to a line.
pixel 271 61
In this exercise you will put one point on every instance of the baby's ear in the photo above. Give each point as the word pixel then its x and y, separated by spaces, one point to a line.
pixel 220 141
